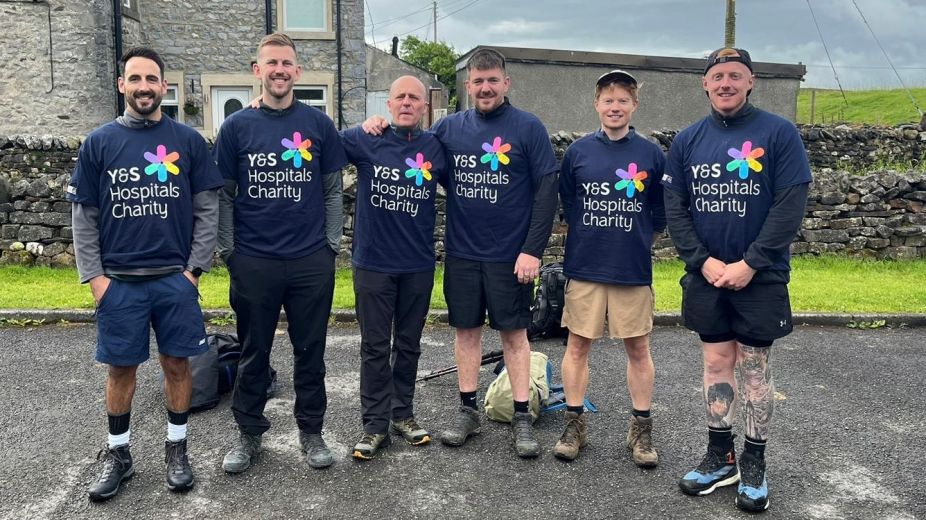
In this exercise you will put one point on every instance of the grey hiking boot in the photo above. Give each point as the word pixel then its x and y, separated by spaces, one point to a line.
pixel 522 425
pixel 370 444
pixel 574 438
pixel 413 434
pixel 640 442
pixel 117 467
pixel 464 426
pixel 240 457
pixel 317 454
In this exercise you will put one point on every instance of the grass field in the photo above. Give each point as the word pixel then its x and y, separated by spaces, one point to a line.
pixel 819 284
pixel 879 107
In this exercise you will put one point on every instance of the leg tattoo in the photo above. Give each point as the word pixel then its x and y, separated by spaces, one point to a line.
pixel 758 390
pixel 720 399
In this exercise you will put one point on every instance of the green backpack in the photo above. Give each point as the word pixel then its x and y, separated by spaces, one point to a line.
pixel 498 402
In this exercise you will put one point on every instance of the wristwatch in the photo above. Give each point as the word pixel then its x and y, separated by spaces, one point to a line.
pixel 196 271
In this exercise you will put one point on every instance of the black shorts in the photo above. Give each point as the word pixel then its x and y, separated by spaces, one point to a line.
pixel 473 288
pixel 758 313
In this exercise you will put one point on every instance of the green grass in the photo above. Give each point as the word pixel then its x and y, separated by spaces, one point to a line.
pixel 878 107
pixel 819 284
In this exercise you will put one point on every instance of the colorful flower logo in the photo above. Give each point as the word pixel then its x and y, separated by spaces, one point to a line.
pixel 631 179
pixel 745 159
pixel 495 153
pixel 419 169
pixel 162 163
pixel 297 149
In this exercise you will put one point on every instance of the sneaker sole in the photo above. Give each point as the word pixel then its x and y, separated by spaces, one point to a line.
pixel 725 482
pixel 741 507
pixel 107 496
pixel 424 440
pixel 359 455
pixel 181 489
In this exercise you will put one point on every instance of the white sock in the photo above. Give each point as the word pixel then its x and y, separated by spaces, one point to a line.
pixel 176 432
pixel 118 440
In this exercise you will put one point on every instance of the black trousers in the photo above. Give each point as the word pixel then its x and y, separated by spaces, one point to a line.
pixel 391 310
pixel 304 287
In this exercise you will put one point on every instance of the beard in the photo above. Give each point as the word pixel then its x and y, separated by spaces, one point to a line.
pixel 278 92
pixel 146 110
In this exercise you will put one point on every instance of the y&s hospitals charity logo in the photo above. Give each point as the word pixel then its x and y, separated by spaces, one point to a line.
pixel 495 153
pixel 745 159
pixel 162 163
pixel 419 169
pixel 631 180
pixel 297 149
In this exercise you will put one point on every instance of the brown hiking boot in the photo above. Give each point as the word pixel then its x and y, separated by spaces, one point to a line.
pixel 574 437
pixel 640 441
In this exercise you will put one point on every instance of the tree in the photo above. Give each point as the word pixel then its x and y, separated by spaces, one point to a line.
pixel 435 57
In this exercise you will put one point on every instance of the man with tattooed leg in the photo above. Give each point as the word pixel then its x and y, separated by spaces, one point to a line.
pixel 736 190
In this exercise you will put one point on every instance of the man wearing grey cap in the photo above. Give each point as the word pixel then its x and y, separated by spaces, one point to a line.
pixel 736 189
pixel 610 190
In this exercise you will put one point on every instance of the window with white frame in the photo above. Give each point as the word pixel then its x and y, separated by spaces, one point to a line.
pixel 170 104
pixel 130 8
pixel 313 96
pixel 305 15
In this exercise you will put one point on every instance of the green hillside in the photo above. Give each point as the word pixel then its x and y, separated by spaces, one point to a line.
pixel 879 107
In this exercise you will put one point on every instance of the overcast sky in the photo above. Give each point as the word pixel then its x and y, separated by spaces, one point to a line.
pixel 781 31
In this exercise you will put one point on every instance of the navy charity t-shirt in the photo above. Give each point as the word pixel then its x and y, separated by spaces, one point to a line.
pixel 143 182
pixel 731 174
pixel 277 161
pixel 496 160
pixel 613 201
pixel 396 190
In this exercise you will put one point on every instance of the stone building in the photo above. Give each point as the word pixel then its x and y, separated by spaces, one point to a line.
pixel 559 87
pixel 383 68
pixel 60 57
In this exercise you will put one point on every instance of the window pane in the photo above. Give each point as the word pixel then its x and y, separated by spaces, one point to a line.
pixel 232 106
pixel 305 14
pixel 310 94
pixel 171 95
pixel 170 111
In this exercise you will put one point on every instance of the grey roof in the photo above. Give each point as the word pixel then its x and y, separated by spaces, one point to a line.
pixel 628 61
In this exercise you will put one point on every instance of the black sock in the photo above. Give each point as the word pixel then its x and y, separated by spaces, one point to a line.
pixel 721 438
pixel 575 409
pixel 118 424
pixel 521 407
pixel 755 447
pixel 468 399
pixel 640 413
pixel 178 418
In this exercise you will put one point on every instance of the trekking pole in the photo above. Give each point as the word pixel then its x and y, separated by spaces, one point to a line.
pixel 490 357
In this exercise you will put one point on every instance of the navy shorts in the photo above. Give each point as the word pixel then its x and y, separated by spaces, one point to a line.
pixel 755 315
pixel 473 288
pixel 168 304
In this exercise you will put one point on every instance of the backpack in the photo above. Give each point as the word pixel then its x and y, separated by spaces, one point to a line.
pixel 214 372
pixel 547 308
pixel 499 405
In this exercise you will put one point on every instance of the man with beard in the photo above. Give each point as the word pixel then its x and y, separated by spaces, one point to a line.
pixel 736 189
pixel 280 229
pixel 144 209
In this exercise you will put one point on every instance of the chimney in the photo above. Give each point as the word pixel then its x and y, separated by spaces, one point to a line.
pixel 395 46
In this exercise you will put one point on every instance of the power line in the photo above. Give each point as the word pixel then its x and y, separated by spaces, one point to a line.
pixel 372 26
pixel 886 57
pixel 871 67
pixel 402 18
pixel 812 15
pixel 441 18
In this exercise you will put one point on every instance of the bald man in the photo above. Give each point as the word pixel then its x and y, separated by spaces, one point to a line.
pixel 393 257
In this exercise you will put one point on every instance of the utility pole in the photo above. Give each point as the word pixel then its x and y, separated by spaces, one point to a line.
pixel 729 37
pixel 435 21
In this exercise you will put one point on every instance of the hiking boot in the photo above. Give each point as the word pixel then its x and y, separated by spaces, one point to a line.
pixel 317 454
pixel 413 434
pixel 640 442
pixel 370 444
pixel 240 457
pixel 752 495
pixel 117 467
pixel 574 437
pixel 465 425
pixel 715 470
pixel 179 472
pixel 522 425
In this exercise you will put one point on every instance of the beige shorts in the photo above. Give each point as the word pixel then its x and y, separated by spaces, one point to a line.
pixel 628 309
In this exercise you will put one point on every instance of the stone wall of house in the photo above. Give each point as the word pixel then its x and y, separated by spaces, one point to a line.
pixel 879 214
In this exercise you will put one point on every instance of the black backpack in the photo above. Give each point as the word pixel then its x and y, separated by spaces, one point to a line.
pixel 214 372
pixel 548 304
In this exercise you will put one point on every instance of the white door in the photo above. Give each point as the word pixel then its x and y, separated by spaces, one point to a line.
pixel 225 102
pixel 376 104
